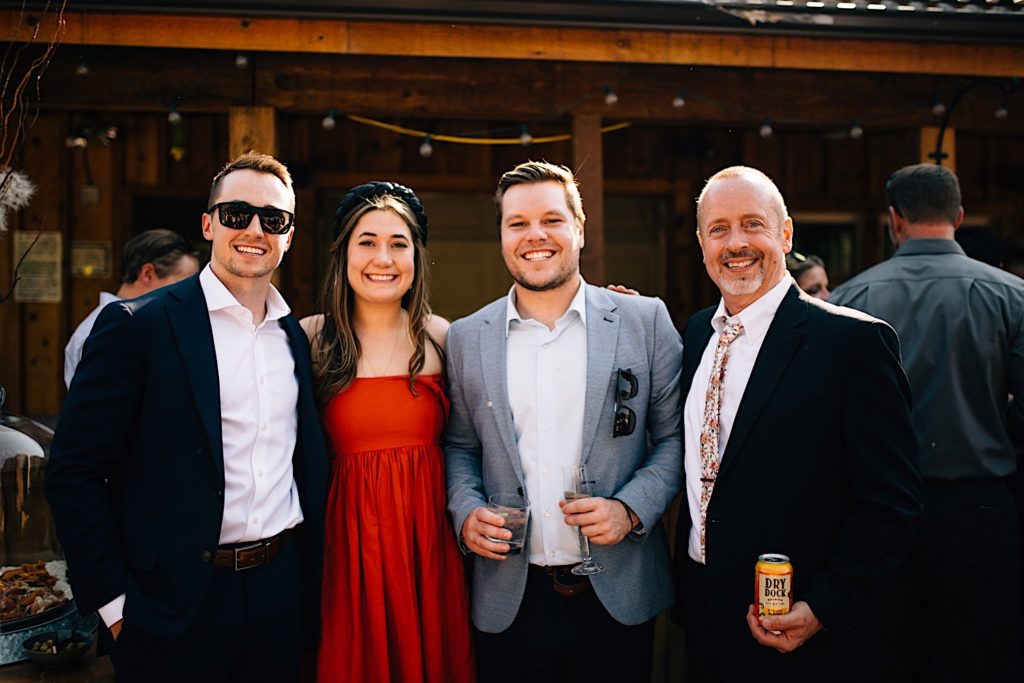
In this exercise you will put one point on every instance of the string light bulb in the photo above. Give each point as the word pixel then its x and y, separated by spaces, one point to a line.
pixel 938 108
pixel 856 132
pixel 610 97
pixel 76 142
pixel 525 139
pixel 426 149
pixel 765 130
pixel 242 61
pixel 330 121
pixel 173 117
pixel 1002 112
pixel 82 69
pixel 680 99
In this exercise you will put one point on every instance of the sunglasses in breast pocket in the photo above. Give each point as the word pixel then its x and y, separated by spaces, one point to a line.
pixel 626 387
pixel 238 215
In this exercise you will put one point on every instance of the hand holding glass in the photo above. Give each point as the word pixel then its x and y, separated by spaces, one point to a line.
pixel 578 485
pixel 515 509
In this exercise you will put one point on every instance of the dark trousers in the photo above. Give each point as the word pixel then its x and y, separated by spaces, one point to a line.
pixel 560 639
pixel 967 580
pixel 249 629
pixel 701 661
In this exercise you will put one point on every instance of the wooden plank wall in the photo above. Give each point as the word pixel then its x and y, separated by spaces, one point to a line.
pixel 817 172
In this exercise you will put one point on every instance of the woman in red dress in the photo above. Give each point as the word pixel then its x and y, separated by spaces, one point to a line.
pixel 394 604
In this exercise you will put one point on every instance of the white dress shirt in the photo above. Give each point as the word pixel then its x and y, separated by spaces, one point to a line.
pixel 259 420
pixel 258 411
pixel 756 318
pixel 547 381
pixel 73 351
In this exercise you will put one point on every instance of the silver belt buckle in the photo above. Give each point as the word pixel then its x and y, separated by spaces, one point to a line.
pixel 251 546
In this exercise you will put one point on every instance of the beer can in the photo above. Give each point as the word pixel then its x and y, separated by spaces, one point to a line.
pixel 773 585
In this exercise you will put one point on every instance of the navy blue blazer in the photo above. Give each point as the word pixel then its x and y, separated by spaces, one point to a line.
pixel 136 472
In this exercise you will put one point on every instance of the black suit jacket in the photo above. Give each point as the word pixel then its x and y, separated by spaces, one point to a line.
pixel 136 472
pixel 820 465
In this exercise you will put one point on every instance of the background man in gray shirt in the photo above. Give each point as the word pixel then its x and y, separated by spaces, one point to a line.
pixel 961 326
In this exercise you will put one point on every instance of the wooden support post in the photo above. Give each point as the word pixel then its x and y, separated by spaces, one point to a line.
pixel 929 138
pixel 251 128
pixel 588 162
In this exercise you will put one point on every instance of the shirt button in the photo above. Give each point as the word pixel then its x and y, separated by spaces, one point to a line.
pixel 490 405
pixel 206 556
pixel 544 428
pixel 260 473
pixel 547 513
pixel 551 554
pixel 255 520
pixel 546 470
pixel 264 428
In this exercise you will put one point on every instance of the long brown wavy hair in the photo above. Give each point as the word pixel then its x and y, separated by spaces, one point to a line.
pixel 336 345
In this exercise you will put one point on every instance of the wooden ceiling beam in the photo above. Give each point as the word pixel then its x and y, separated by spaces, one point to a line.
pixel 625 46
pixel 543 94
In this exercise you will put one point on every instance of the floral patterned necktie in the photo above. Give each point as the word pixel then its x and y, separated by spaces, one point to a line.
pixel 709 431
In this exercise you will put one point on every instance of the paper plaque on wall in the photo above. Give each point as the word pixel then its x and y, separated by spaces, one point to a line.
pixel 90 259
pixel 39 274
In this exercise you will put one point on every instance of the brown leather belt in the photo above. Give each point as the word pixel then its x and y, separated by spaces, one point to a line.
pixel 563 581
pixel 250 554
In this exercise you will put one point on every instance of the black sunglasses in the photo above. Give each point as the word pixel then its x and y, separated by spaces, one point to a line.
pixel 238 215
pixel 626 388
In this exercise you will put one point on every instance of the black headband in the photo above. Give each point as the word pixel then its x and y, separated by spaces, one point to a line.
pixel 368 191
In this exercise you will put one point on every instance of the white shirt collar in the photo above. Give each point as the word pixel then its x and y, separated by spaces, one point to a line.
pixel 757 316
pixel 107 297
pixel 218 297
pixel 578 304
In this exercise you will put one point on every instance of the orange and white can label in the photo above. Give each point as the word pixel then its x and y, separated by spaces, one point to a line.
pixel 773 585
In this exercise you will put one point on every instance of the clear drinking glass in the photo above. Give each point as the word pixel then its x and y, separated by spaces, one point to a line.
pixel 515 509
pixel 578 485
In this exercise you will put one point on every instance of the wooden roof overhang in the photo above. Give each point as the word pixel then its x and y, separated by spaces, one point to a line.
pixel 418 68
pixel 758 46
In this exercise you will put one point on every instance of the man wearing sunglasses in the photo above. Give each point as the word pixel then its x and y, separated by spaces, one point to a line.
pixel 557 374
pixel 187 474
pixel 768 471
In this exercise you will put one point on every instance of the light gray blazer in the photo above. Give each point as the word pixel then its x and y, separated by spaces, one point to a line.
pixel 481 455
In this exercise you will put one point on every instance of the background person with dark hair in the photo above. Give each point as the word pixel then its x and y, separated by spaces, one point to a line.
pixel 961 326
pixel 152 259
pixel 809 273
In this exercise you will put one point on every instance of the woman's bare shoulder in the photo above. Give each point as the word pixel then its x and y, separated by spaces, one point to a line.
pixel 312 325
pixel 437 328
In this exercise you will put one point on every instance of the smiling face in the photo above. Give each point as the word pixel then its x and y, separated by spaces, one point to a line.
pixel 744 237
pixel 242 257
pixel 381 263
pixel 540 237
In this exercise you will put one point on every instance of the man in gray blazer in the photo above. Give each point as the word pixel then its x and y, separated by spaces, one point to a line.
pixel 557 374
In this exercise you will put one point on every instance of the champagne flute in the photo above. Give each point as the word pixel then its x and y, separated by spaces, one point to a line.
pixel 578 485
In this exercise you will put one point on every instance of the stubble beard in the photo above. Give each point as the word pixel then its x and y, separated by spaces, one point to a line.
pixel 556 281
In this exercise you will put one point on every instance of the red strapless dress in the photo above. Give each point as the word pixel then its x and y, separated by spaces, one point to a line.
pixel 395 605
